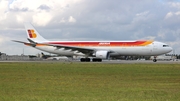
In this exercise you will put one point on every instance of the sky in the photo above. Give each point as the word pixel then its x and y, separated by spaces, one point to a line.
pixel 88 20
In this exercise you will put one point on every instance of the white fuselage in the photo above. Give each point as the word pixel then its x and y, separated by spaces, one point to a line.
pixel 153 49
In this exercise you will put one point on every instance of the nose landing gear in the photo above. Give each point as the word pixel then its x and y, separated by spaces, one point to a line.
pixel 155 60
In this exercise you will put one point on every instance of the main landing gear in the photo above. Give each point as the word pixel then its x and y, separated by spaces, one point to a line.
pixel 85 59
pixel 97 60
pixel 89 60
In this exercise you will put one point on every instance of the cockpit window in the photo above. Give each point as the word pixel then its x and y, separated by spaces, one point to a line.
pixel 165 45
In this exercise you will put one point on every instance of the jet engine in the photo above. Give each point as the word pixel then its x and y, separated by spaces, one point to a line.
pixel 102 54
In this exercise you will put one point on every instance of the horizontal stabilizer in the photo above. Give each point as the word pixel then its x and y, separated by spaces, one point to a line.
pixel 28 44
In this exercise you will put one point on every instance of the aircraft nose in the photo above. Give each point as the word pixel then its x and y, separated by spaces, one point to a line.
pixel 170 49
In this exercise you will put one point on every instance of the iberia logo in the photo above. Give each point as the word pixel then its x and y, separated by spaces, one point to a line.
pixel 32 33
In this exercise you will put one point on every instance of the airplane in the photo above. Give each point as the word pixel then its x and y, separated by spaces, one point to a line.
pixel 99 50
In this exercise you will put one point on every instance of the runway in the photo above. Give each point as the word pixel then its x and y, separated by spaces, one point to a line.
pixel 106 61
pixel 141 61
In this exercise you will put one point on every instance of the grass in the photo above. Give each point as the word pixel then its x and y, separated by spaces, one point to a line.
pixel 89 82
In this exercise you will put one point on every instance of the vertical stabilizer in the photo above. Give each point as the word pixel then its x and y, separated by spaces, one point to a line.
pixel 33 34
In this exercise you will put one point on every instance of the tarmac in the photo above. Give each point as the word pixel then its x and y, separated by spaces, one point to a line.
pixel 142 61
pixel 105 61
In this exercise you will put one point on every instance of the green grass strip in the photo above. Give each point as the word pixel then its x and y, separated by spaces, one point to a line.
pixel 89 82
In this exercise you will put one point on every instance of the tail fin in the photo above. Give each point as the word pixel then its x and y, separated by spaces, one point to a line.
pixel 33 34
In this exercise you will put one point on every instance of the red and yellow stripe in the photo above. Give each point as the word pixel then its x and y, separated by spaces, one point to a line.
pixel 101 44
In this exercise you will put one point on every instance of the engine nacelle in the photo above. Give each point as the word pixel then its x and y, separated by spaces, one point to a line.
pixel 102 54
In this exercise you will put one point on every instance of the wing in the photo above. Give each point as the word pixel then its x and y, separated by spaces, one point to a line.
pixel 79 49
pixel 84 50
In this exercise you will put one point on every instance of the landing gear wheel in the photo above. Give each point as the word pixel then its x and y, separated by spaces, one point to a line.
pixel 85 60
pixel 154 60
pixel 96 60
